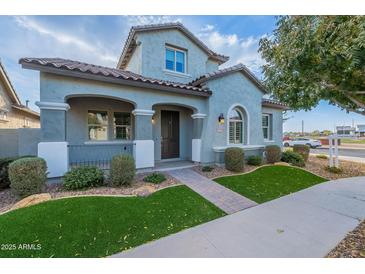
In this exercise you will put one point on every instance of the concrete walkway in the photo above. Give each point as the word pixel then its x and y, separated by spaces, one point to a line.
pixel 224 198
pixel 308 223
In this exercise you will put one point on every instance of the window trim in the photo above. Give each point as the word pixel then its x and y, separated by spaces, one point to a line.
pixel 246 125
pixel 176 49
pixel 235 122
pixel 269 127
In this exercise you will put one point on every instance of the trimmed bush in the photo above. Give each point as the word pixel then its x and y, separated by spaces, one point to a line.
pixel 83 177
pixel 273 154
pixel 292 158
pixel 334 169
pixel 122 170
pixel 207 168
pixel 302 150
pixel 254 160
pixel 234 159
pixel 322 156
pixel 155 178
pixel 27 176
pixel 4 170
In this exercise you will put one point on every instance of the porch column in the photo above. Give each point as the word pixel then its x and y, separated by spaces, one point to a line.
pixel 143 145
pixel 198 120
pixel 53 146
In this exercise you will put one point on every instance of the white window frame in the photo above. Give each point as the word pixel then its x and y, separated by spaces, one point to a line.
pixel 88 125
pixel 3 115
pixel 235 121
pixel 269 126
pixel 26 122
pixel 115 126
pixel 185 59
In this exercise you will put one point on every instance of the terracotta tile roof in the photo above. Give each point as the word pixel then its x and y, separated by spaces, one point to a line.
pixel 85 68
pixel 130 43
pixel 222 72
pixel 274 103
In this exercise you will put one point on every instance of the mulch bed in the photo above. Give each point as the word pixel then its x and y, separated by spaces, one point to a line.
pixel 7 199
pixel 350 169
pixel 352 246
pixel 221 171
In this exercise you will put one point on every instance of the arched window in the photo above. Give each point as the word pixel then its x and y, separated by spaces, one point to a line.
pixel 235 126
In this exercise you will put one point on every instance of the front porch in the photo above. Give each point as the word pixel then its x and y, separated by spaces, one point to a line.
pixel 167 136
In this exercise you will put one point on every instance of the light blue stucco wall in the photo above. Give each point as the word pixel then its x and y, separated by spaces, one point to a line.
pixel 233 89
pixel 135 63
pixel 152 53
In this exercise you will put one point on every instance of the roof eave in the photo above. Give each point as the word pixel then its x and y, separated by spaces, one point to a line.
pixel 273 105
pixel 9 85
pixel 107 79
pixel 27 110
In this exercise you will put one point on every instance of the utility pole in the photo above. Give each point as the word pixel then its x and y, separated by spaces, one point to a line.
pixel 302 127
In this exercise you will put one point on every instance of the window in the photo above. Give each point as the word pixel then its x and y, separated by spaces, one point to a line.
pixel 26 122
pixel 175 60
pixel 122 125
pixel 97 125
pixel 266 126
pixel 235 126
pixel 3 115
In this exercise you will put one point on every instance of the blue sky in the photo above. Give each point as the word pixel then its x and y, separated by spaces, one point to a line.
pixel 99 40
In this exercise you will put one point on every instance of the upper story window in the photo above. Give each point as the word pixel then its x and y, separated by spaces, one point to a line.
pixel 175 60
pixel 26 122
pixel 266 126
pixel 3 115
pixel 235 126
pixel 97 125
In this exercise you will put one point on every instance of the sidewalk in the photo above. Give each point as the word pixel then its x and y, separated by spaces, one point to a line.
pixel 308 223
pixel 222 197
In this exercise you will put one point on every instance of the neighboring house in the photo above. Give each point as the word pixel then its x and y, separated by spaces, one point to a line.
pixel 12 113
pixel 361 130
pixel 345 131
pixel 166 100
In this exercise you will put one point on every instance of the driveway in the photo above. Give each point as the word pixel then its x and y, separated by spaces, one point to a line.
pixel 308 223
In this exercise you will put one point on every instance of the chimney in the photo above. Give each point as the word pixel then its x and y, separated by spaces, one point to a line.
pixel 27 103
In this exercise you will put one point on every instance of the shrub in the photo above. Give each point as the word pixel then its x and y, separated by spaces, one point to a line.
pixel 207 168
pixel 273 154
pixel 155 178
pixel 82 177
pixel 322 156
pixel 4 170
pixel 334 169
pixel 254 160
pixel 302 150
pixel 234 159
pixel 293 158
pixel 4 174
pixel 27 176
pixel 122 170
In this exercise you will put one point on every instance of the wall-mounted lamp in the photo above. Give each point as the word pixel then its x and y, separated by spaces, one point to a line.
pixel 153 120
pixel 221 119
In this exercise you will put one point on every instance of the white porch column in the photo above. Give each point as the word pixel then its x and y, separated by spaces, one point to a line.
pixel 198 120
pixel 143 145
pixel 53 147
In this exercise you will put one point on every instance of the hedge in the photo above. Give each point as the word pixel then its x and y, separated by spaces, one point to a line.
pixel 122 170
pixel 234 159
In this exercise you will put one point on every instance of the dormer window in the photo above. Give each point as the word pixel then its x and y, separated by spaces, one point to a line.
pixel 175 60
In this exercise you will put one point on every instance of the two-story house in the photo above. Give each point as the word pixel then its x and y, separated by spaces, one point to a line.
pixel 13 114
pixel 166 100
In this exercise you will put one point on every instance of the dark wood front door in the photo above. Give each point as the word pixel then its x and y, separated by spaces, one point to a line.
pixel 170 143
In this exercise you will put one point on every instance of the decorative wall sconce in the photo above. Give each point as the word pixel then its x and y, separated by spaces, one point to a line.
pixel 221 119
pixel 153 120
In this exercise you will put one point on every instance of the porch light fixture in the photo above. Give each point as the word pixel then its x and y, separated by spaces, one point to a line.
pixel 153 120
pixel 221 119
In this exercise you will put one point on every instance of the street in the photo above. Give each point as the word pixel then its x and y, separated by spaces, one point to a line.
pixel 341 152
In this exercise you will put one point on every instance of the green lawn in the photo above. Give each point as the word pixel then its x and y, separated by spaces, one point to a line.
pixel 352 141
pixel 270 182
pixel 101 226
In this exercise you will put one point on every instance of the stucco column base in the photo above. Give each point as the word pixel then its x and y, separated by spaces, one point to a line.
pixel 196 150
pixel 144 153
pixel 56 156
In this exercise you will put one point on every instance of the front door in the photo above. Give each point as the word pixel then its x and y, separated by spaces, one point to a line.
pixel 170 141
